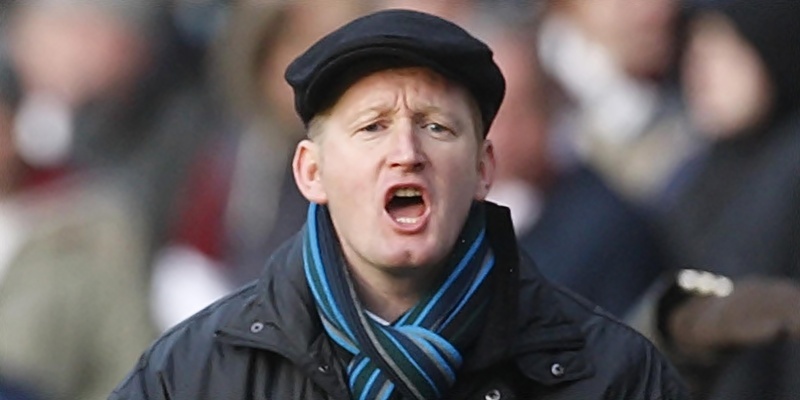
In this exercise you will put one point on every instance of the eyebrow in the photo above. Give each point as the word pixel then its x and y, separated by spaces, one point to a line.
pixel 362 115
pixel 379 109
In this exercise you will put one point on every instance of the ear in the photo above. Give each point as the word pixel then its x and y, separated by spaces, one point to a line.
pixel 306 168
pixel 486 166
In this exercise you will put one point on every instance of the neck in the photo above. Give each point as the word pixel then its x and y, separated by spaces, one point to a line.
pixel 389 294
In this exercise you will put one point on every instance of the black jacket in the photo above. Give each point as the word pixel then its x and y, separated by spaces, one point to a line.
pixel 539 342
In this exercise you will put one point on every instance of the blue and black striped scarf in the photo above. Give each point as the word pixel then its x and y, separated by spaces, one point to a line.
pixel 417 356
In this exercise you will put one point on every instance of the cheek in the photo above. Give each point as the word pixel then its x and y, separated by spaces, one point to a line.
pixel 462 176
pixel 345 175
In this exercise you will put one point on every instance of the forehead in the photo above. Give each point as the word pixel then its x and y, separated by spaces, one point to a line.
pixel 418 75
pixel 422 87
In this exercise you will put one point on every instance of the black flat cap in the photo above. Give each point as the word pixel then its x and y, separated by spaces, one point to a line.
pixel 393 38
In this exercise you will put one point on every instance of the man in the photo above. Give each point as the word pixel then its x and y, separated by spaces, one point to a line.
pixel 404 283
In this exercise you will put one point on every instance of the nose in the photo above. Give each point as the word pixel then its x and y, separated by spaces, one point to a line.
pixel 406 150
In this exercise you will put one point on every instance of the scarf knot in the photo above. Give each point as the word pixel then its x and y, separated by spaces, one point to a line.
pixel 417 356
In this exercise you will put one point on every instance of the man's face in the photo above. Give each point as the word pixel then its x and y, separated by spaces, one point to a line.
pixel 398 161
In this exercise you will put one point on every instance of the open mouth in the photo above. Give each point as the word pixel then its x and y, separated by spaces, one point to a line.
pixel 406 205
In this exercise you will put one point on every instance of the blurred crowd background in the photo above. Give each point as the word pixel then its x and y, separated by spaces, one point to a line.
pixel 145 149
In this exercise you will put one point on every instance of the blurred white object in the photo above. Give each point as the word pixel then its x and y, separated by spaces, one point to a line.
pixel 184 282
pixel 523 200
pixel 43 130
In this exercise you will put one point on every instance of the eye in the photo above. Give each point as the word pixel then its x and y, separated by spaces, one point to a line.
pixel 438 129
pixel 373 127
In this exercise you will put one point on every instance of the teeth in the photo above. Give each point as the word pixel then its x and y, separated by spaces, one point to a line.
pixel 407 192
pixel 406 220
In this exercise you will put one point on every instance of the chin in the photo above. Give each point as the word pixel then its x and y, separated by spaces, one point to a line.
pixel 412 257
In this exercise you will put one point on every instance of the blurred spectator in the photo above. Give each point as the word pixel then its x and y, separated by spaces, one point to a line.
pixel 109 87
pixel 579 232
pixel 737 213
pixel 241 202
pixel 622 111
pixel 72 311
pixel 113 106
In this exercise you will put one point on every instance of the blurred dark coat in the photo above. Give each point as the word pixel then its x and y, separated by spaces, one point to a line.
pixel 741 216
pixel 739 212
pixel 592 242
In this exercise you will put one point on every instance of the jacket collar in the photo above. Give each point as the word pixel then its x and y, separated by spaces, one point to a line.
pixel 547 346
pixel 280 316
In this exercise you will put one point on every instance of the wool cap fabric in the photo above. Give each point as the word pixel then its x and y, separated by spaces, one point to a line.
pixel 394 38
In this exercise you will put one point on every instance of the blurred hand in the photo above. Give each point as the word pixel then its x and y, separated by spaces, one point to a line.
pixel 759 310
